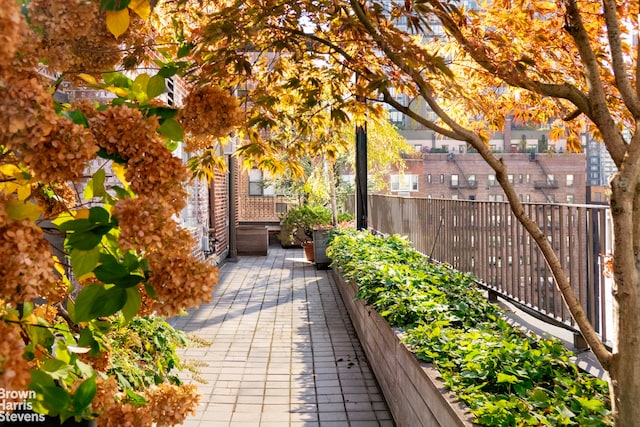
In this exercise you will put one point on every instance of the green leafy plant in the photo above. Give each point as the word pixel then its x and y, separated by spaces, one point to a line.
pixel 506 376
pixel 298 223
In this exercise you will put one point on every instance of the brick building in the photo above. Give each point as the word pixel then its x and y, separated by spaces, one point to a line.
pixel 555 178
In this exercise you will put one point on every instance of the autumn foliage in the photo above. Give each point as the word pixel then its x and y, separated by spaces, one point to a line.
pixel 79 257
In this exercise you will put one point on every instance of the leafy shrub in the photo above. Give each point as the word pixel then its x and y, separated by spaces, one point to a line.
pixel 506 377
pixel 304 218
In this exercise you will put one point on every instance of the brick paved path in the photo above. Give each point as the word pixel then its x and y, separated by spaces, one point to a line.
pixel 284 351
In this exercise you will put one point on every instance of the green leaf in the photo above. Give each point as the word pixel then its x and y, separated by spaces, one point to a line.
pixel 506 378
pixel 131 307
pixel 86 339
pixel 114 5
pixel 56 399
pixel 185 49
pixel 84 394
pixel 134 398
pixel 83 262
pixel 156 86
pixel 85 240
pixel 113 300
pixel 77 117
pixel 171 129
pixel 591 404
pixel 81 224
pixel 117 80
pixel 88 297
pixel 95 186
pixel 168 71
pixel 99 215
pixel 57 369
pixel 139 88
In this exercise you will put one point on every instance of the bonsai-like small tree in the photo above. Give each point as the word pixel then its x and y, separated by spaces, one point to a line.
pixel 298 223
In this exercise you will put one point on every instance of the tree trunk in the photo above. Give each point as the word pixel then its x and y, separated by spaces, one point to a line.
pixel 624 370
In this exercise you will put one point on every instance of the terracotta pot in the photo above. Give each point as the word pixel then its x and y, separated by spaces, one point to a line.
pixel 308 251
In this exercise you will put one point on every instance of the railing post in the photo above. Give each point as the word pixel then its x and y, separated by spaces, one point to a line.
pixel 361 177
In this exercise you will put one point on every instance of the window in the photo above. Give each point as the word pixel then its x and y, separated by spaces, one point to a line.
pixel 570 198
pixel 429 178
pixel 455 180
pixel 551 179
pixel 492 180
pixel 471 179
pixel 258 185
pixel 441 178
pixel 404 182
pixel 520 178
pixel 569 180
pixel 510 178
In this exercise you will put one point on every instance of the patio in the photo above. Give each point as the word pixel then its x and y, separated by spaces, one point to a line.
pixel 283 351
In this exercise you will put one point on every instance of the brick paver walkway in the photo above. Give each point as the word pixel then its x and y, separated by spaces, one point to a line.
pixel 283 352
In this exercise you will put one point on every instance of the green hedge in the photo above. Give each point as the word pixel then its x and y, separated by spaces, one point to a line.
pixel 506 377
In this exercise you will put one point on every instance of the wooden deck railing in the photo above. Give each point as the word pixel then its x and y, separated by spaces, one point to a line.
pixel 486 240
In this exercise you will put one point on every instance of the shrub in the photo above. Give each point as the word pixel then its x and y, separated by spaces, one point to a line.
pixel 505 376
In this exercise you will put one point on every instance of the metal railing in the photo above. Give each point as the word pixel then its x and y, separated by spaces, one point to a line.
pixel 486 240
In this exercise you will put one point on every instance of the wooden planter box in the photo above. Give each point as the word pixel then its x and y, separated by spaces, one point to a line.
pixel 252 240
pixel 415 395
pixel 320 243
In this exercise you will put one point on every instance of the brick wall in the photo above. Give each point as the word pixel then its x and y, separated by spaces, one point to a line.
pixel 435 173
pixel 256 208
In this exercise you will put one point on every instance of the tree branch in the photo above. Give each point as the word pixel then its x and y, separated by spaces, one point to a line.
pixel 629 96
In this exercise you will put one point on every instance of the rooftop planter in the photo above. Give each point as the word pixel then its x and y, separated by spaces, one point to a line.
pixel 297 224
pixel 502 375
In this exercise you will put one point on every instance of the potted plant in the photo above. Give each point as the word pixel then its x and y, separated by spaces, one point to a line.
pixel 298 224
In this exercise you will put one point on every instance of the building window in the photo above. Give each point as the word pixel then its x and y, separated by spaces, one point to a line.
pixel 551 179
pixel 570 198
pixel 404 182
pixel 471 179
pixel 492 180
pixel 569 180
pixel 441 178
pixel 258 185
pixel 455 180
pixel 510 179
pixel 520 178
pixel 429 178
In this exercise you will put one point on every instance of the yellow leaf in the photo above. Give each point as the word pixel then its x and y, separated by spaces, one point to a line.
pixel 117 21
pixel 21 210
pixel 24 191
pixel 120 172
pixel 10 169
pixel 118 91
pixel 82 214
pixel 142 8
pixel 89 79
pixel 59 266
